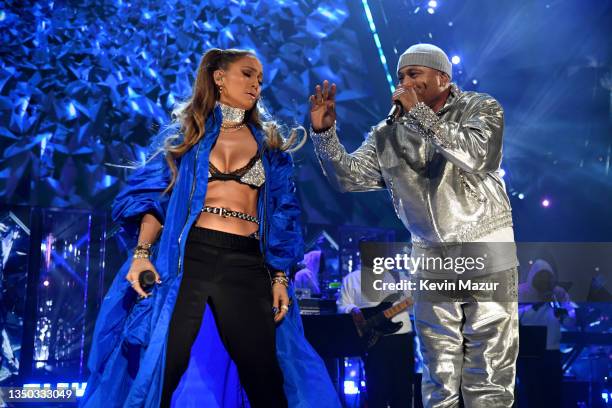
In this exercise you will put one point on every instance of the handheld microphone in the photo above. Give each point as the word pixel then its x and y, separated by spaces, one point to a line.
pixel 146 279
pixel 396 110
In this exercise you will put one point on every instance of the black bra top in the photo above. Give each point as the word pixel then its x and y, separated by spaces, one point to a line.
pixel 252 174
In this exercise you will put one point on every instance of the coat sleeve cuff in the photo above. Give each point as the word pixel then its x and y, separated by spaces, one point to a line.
pixel 326 144
pixel 431 124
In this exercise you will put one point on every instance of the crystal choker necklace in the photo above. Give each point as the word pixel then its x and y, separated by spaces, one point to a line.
pixel 231 114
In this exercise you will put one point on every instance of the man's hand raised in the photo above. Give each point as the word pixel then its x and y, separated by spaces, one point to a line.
pixel 323 107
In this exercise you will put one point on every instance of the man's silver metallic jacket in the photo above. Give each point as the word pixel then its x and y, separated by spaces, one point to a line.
pixel 442 169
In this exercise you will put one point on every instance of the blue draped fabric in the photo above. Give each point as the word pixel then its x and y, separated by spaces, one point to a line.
pixel 129 343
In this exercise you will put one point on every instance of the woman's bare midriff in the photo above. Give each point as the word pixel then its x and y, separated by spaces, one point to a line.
pixel 233 196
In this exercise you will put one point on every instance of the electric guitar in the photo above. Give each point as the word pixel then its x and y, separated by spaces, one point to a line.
pixel 378 323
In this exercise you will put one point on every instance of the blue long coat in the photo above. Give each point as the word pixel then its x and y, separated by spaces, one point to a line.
pixel 129 343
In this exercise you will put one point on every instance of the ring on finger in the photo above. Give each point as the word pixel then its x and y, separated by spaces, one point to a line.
pixel 285 308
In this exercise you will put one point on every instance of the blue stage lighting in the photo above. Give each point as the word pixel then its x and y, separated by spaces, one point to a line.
pixel 350 388
pixel 228 33
pixel 433 4
pixel 456 59
pixel 131 92
pixel 327 13
pixel 71 110
pixel 381 54
pixel 23 106
pixel 135 106
pixel 43 142
pixel 171 100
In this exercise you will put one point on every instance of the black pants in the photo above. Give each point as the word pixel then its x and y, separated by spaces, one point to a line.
pixel 226 272
pixel 389 367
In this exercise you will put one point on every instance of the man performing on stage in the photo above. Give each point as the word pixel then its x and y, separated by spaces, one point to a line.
pixel 439 159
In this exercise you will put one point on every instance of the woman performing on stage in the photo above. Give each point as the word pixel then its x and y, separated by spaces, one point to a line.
pixel 220 190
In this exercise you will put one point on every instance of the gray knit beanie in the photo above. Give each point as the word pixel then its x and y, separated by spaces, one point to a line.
pixel 426 55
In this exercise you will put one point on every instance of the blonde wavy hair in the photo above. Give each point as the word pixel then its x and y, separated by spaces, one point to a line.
pixel 191 114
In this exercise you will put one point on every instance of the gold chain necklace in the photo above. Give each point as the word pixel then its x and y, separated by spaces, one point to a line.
pixel 231 128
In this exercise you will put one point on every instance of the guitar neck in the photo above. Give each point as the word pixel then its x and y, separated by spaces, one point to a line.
pixel 400 307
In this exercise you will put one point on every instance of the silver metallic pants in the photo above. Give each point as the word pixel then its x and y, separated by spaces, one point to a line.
pixel 469 347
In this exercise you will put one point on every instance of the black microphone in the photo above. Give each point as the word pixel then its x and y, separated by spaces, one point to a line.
pixel 396 111
pixel 147 280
